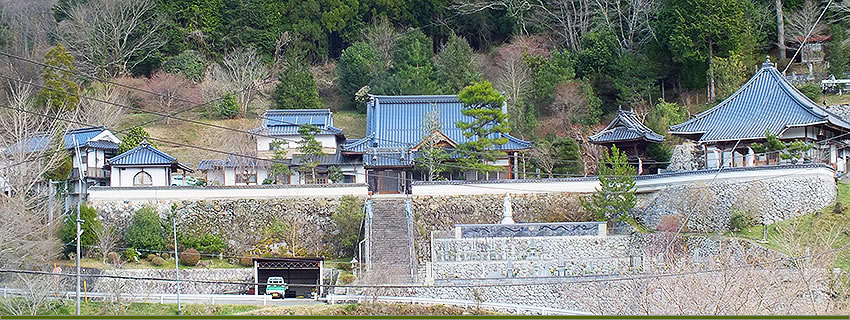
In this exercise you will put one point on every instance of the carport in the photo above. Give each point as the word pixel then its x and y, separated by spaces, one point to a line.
pixel 305 272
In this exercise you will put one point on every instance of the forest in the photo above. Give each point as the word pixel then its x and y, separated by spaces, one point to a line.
pixel 564 66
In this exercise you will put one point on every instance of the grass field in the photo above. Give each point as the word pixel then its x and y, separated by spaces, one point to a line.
pixel 66 308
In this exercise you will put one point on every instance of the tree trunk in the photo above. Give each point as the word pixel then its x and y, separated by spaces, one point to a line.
pixel 711 94
pixel 780 31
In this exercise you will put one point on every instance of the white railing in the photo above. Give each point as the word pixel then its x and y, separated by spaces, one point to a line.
pixel 511 307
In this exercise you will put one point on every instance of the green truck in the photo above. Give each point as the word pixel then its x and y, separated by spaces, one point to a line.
pixel 276 287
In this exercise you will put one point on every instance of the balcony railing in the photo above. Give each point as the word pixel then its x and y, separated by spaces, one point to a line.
pixel 94 173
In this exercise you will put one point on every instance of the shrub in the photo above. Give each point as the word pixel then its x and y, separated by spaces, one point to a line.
pixel 227 108
pixel 190 257
pixel 345 278
pixel 131 255
pixel 740 220
pixel 113 258
pixel 206 244
pixel 347 218
pixel 246 261
pixel 151 256
pixel 810 90
pixel 165 255
pixel 157 261
pixel 91 227
pixel 669 223
pixel 145 231
pixel 190 63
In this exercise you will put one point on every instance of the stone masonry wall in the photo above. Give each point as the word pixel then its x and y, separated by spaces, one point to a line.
pixel 241 222
pixel 118 286
pixel 711 205
pixel 531 257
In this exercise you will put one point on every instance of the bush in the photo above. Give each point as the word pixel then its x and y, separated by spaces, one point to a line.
pixel 347 218
pixel 345 278
pixel 740 220
pixel 165 255
pixel 190 257
pixel 190 63
pixel 151 256
pixel 157 261
pixel 246 261
pixel 113 258
pixel 145 231
pixel 669 223
pixel 227 108
pixel 206 244
pixel 91 227
pixel 811 91
pixel 131 255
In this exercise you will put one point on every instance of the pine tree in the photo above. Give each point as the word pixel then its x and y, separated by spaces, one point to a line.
pixel 616 195
pixel 296 88
pixel 133 138
pixel 486 130
pixel 310 150
pixel 455 68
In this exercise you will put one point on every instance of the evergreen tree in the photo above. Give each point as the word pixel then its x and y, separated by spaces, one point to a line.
pixel 616 195
pixel 91 228
pixel 61 90
pixel 133 138
pixel 310 150
pixel 487 129
pixel 413 68
pixel 455 65
pixel 296 88
pixel 358 65
pixel 280 151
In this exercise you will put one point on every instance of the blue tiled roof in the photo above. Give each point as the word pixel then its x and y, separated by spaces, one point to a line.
pixel 144 154
pixel 40 140
pixel 396 121
pixel 625 127
pixel 331 160
pixel 767 102
pixel 101 144
pixel 231 162
pixel 82 135
pixel 357 145
pixel 286 122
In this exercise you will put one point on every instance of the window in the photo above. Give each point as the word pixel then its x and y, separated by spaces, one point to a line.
pixel 142 179
pixel 246 178
pixel 348 178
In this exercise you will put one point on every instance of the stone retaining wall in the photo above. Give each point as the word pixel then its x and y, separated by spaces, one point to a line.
pixel 242 222
pixel 708 207
pixel 119 286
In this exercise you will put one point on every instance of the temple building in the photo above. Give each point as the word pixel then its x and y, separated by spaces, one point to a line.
pixel 630 136
pixel 766 103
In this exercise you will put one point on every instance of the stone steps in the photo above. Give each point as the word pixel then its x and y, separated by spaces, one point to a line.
pixel 390 242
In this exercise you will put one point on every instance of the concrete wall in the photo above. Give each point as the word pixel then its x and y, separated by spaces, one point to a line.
pixel 328 142
pixel 123 176
pixel 233 192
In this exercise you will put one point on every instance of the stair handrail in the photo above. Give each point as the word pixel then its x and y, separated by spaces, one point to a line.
pixel 367 207
pixel 408 210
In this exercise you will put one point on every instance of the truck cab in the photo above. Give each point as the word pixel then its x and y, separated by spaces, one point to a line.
pixel 276 287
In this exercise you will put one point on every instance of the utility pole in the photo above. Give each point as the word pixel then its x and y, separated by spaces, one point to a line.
pixel 176 259
pixel 79 203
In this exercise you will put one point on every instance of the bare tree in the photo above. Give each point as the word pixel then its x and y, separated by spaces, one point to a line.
pixel 174 92
pixel 545 155
pixel 518 9
pixel 570 103
pixel 383 35
pixel 31 147
pixel 100 113
pixel 802 20
pixel 242 71
pixel 28 24
pixel 629 20
pixel 569 20
pixel 110 37
pixel 108 239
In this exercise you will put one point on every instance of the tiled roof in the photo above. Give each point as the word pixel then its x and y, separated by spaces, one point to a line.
pixel 396 121
pixel 286 122
pixel 357 145
pixel 82 136
pixel 39 140
pixel 331 160
pixel 231 162
pixel 144 154
pixel 625 127
pixel 101 144
pixel 767 102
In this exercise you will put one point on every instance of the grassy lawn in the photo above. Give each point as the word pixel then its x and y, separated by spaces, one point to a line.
pixel 65 308
pixel 826 227
pixel 366 309
pixel 144 264
pixel 834 99
pixel 352 122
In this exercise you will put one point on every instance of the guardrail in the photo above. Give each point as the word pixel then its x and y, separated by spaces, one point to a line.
pixel 518 308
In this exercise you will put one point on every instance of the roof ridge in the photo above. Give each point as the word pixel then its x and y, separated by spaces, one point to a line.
pixel 724 102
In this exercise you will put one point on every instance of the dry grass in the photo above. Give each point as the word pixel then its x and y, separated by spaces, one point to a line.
pixel 363 310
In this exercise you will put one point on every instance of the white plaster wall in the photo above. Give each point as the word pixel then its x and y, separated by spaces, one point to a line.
pixel 358 171
pixel 799 133
pixel 200 193
pixel 328 143
pixel 123 177
pixel 215 177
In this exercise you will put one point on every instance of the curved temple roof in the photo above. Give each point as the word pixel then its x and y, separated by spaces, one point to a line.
pixel 625 127
pixel 145 155
pixel 767 102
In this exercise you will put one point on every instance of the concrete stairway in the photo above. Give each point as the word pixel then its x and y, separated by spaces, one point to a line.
pixel 390 242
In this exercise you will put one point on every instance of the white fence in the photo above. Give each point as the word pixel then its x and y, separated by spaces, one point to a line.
pixel 229 192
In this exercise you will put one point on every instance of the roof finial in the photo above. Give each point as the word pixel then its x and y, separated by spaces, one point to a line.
pixel 767 63
pixel 144 142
